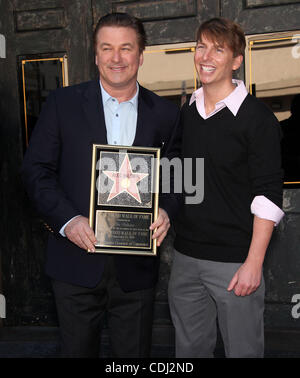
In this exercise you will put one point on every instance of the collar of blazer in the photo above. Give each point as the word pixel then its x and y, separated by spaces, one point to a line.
pixel 93 109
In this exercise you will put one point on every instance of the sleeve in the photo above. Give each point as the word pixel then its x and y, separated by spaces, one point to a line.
pixel 170 198
pixel 40 169
pixel 265 209
pixel 62 230
pixel 264 159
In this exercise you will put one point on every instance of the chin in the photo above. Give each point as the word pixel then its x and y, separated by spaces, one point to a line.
pixel 206 81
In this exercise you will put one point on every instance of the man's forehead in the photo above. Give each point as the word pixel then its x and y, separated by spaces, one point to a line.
pixel 117 34
pixel 217 41
pixel 111 29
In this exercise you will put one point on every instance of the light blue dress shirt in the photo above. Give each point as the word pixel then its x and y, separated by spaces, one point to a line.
pixel 120 118
pixel 120 121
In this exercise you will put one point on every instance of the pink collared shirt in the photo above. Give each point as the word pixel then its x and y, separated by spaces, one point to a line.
pixel 261 206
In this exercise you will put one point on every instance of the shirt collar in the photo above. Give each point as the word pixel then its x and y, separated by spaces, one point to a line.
pixel 106 96
pixel 233 101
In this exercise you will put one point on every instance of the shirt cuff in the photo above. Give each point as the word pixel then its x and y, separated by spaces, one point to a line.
pixel 62 230
pixel 263 208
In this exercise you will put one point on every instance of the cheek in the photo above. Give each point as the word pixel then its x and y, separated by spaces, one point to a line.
pixel 196 57
pixel 100 62
pixel 134 63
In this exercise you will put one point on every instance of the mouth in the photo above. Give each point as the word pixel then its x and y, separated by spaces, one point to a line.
pixel 207 68
pixel 118 68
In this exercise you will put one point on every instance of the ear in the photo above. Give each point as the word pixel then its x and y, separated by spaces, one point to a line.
pixel 96 60
pixel 141 59
pixel 237 61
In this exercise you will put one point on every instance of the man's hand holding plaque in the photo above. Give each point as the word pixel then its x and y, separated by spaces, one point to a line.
pixel 162 225
pixel 80 233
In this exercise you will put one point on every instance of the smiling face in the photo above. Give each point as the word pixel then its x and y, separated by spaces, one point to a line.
pixel 118 58
pixel 215 63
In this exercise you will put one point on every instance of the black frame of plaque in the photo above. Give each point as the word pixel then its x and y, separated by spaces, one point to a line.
pixel 124 218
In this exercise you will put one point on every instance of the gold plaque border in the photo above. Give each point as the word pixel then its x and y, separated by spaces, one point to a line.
pixel 92 212
pixel 127 212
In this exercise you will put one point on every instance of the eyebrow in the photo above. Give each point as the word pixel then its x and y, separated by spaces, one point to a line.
pixel 109 44
pixel 216 44
pixel 128 44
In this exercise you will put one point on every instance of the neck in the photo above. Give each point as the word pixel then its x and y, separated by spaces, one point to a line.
pixel 122 94
pixel 214 93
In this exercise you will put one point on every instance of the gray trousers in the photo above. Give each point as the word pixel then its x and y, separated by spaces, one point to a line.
pixel 198 298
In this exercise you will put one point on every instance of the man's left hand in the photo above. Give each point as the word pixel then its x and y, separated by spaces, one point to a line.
pixel 162 224
pixel 247 279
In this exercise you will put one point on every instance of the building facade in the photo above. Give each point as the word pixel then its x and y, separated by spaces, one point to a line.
pixel 48 43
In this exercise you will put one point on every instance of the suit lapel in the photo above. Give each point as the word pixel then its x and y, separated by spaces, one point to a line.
pixel 144 127
pixel 93 109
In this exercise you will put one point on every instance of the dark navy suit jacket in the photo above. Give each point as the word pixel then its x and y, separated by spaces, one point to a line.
pixel 57 175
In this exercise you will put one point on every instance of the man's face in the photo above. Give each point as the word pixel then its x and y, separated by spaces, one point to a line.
pixel 118 57
pixel 215 63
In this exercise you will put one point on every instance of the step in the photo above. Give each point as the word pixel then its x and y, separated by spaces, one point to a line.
pixel 43 342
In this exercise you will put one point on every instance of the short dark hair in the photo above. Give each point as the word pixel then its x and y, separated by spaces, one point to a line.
pixel 122 20
pixel 222 30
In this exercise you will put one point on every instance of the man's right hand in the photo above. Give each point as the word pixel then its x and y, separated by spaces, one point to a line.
pixel 80 233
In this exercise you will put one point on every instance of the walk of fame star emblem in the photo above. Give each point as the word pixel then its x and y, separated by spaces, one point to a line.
pixel 125 180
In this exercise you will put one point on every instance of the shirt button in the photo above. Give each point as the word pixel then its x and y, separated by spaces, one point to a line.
pixel 117 115
pixel 115 142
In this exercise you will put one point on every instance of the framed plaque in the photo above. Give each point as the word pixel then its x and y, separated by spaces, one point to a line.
pixel 124 198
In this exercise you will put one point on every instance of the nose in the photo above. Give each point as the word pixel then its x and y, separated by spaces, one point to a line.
pixel 116 56
pixel 207 54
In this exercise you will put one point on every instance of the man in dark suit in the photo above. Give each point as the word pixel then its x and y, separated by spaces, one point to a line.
pixel 57 173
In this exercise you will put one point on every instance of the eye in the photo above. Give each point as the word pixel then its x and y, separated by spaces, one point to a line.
pixel 219 49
